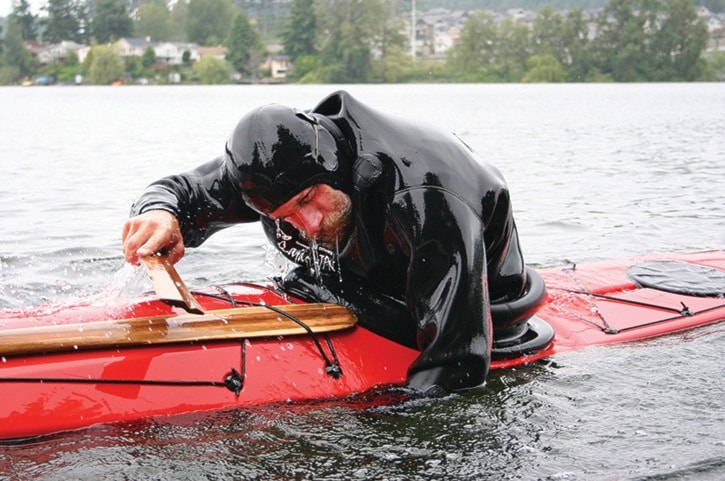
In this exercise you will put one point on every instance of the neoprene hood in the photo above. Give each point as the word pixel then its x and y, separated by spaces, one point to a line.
pixel 275 152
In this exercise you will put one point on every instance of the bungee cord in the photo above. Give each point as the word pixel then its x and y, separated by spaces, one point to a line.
pixel 683 311
pixel 233 380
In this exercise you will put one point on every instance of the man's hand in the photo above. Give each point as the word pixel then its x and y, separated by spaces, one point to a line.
pixel 151 232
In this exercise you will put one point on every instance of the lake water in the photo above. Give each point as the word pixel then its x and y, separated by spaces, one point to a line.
pixel 596 172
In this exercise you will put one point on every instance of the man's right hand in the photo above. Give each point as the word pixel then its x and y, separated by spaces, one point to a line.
pixel 151 232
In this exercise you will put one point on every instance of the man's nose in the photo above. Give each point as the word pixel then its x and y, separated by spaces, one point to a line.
pixel 308 221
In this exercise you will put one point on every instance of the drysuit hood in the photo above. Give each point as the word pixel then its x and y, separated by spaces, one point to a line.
pixel 275 152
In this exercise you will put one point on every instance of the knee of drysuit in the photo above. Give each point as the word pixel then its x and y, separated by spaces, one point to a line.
pixel 510 317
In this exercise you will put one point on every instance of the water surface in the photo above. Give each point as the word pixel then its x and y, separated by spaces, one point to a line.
pixel 596 172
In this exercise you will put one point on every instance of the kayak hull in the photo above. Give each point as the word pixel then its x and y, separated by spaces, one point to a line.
pixel 66 391
pixel 594 304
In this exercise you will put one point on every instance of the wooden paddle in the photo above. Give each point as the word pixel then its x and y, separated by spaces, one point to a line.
pixel 197 326
pixel 239 323
pixel 168 284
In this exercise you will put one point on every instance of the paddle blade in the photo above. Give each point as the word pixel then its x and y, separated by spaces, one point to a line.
pixel 168 284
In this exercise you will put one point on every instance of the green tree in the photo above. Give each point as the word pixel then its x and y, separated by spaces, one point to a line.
pixel 16 55
pixel 132 65
pixel 577 59
pixel 65 20
pixel 512 50
pixel 620 48
pixel 305 68
pixel 212 70
pixel 154 21
pixel 8 74
pixel 28 22
pixel 209 19
pixel 475 53
pixel 346 33
pixel 71 67
pixel 244 46
pixel 148 59
pixel 389 42
pixel 111 21
pixel 650 40
pixel 179 13
pixel 106 66
pixel 543 68
pixel 299 36
pixel 679 42
pixel 715 68
pixel 394 66
pixel 547 33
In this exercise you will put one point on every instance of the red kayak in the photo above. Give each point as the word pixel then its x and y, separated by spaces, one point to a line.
pixel 68 367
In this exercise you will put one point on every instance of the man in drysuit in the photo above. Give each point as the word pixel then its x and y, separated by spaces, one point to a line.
pixel 390 217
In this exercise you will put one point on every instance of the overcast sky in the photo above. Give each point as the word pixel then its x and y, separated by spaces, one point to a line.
pixel 7 5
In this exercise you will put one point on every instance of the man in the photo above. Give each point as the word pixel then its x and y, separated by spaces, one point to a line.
pixel 392 218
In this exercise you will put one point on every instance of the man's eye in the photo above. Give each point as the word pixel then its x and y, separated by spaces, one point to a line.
pixel 307 197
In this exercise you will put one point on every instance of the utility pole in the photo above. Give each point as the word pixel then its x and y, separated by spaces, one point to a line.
pixel 412 30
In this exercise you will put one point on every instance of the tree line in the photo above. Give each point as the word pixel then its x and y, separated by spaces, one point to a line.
pixel 343 41
pixel 503 5
pixel 101 22
pixel 626 41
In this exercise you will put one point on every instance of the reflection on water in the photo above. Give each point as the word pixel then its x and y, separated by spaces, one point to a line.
pixel 596 171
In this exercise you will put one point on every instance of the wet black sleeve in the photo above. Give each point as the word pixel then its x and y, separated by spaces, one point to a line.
pixel 204 200
pixel 446 288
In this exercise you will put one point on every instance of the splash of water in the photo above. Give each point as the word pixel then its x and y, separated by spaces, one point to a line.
pixel 127 282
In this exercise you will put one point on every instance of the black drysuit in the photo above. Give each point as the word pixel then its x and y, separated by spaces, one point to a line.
pixel 433 236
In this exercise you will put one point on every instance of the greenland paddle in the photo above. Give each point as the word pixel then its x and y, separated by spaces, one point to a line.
pixel 236 323
pixel 195 326
pixel 168 284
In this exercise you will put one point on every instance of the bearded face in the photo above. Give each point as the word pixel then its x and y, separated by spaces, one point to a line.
pixel 320 212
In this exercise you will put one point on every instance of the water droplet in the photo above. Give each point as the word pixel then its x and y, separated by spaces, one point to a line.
pixel 337 259
pixel 315 255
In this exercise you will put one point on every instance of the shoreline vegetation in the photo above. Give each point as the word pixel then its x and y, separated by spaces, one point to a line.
pixel 344 41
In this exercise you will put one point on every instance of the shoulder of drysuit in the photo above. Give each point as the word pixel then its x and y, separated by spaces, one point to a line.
pixel 206 191
pixel 418 153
